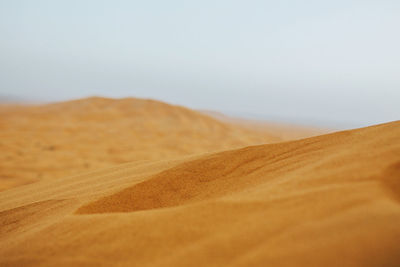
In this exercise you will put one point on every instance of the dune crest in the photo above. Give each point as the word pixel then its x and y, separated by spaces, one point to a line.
pixel 227 172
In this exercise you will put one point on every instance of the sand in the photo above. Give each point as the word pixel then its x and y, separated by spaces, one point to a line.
pixel 327 200
pixel 62 139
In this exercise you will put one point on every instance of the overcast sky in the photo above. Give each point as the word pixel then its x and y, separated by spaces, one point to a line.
pixel 317 62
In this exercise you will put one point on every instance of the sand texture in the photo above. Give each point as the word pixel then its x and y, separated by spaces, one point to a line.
pixel 62 139
pixel 328 200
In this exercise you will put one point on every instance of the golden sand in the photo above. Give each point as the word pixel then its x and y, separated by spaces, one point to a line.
pixel 57 140
pixel 329 200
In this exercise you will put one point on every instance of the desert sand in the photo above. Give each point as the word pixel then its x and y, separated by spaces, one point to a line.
pixel 56 140
pixel 141 183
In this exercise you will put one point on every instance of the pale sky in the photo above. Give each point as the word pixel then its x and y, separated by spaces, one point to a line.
pixel 331 63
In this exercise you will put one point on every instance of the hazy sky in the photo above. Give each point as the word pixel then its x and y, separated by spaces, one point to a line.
pixel 330 62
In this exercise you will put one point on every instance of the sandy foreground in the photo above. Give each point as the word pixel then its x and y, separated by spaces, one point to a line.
pixel 100 182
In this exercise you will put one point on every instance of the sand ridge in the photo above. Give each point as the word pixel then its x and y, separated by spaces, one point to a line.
pixel 330 200
pixel 226 172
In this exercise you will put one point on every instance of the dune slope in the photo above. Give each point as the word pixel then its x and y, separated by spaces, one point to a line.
pixel 330 200
pixel 67 138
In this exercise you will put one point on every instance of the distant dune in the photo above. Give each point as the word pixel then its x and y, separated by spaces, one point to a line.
pixel 56 140
pixel 328 200
pixel 284 131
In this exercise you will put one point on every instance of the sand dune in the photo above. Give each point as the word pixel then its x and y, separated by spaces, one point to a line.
pixel 330 200
pixel 284 131
pixel 62 139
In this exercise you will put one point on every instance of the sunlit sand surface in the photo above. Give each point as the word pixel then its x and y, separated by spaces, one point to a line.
pixel 131 182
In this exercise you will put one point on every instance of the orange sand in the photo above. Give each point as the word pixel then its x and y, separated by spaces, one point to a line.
pixel 57 140
pixel 330 200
